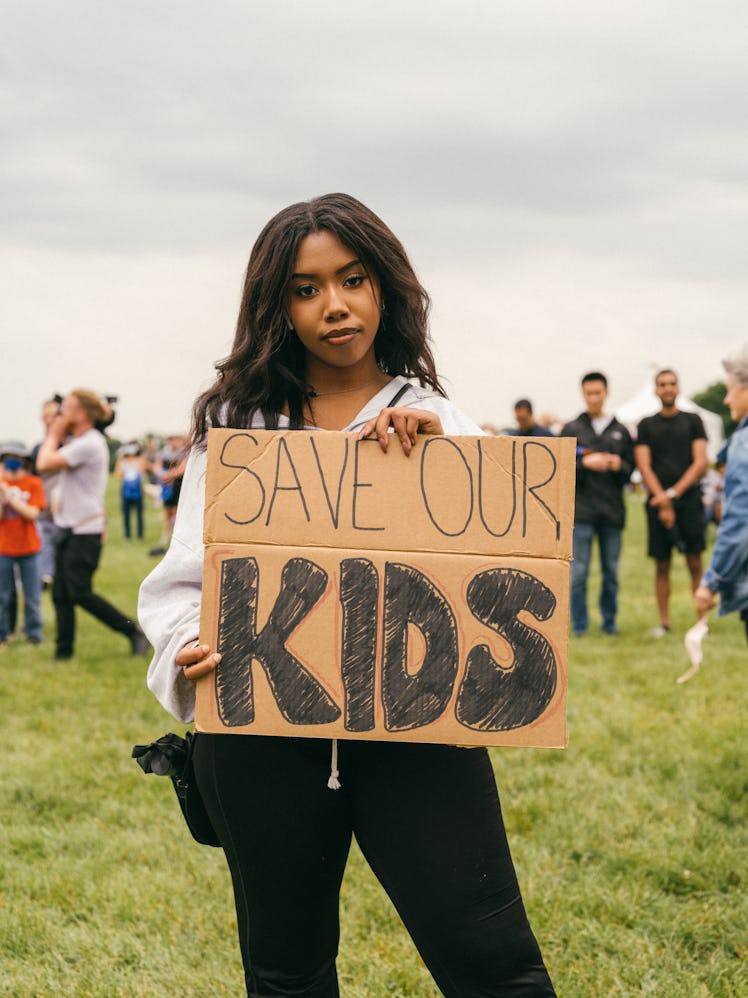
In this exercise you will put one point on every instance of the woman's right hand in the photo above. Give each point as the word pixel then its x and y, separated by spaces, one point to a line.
pixel 196 661
pixel 406 424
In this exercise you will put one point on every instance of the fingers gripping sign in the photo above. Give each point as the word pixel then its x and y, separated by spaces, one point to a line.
pixel 196 660
pixel 405 424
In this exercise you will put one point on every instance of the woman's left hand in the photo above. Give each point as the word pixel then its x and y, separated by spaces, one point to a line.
pixel 196 660
pixel 406 424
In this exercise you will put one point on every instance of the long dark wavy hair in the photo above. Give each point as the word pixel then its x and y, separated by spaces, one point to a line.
pixel 265 369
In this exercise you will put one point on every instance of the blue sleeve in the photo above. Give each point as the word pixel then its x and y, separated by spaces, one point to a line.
pixel 730 554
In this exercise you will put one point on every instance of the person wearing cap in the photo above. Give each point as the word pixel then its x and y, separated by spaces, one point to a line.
pixel 21 500
pixel 74 447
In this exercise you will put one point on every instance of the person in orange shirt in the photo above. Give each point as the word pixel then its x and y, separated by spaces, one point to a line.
pixel 21 500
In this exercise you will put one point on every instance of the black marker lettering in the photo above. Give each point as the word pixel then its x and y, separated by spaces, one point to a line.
pixel 334 516
pixel 359 594
pixel 533 489
pixel 505 531
pixel 495 699
pixel 415 701
pixel 360 485
pixel 229 464
pixel 299 696
pixel 439 527
pixel 283 446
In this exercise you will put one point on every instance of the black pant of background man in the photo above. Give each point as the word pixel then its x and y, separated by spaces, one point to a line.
pixel 76 560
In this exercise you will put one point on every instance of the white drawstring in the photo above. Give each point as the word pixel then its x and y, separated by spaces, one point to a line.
pixel 334 783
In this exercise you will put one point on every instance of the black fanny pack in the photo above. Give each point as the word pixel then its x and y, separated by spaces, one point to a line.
pixel 172 756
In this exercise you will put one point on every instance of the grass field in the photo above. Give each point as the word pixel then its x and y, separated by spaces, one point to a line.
pixel 630 845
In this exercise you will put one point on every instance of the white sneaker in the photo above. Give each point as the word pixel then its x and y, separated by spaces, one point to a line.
pixel 660 632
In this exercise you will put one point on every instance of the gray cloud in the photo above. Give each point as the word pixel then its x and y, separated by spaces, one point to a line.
pixel 498 138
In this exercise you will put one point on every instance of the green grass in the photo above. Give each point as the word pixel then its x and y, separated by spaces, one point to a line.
pixel 630 845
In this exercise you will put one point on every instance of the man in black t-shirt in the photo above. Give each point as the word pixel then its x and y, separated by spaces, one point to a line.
pixel 671 455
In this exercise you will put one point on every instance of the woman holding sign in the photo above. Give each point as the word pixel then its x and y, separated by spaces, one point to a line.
pixel 332 327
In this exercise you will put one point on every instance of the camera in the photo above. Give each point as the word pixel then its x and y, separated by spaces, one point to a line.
pixel 108 401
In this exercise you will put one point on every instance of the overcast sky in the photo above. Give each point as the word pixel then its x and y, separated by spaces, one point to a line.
pixel 570 181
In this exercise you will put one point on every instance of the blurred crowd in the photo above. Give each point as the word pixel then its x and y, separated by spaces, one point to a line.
pixel 666 454
pixel 53 520
pixel 149 470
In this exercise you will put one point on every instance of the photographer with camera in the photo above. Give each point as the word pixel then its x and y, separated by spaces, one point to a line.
pixel 75 446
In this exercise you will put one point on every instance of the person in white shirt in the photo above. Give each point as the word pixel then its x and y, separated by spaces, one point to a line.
pixel 78 451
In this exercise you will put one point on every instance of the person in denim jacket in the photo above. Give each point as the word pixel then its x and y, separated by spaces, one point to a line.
pixel 727 573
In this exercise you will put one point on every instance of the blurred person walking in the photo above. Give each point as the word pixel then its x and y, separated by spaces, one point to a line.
pixel 21 500
pixel 671 456
pixel 605 460
pixel 79 452
pixel 727 572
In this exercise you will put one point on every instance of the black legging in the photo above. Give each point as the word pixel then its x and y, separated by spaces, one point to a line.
pixel 428 821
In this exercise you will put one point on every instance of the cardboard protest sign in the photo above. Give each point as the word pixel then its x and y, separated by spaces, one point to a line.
pixel 357 594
